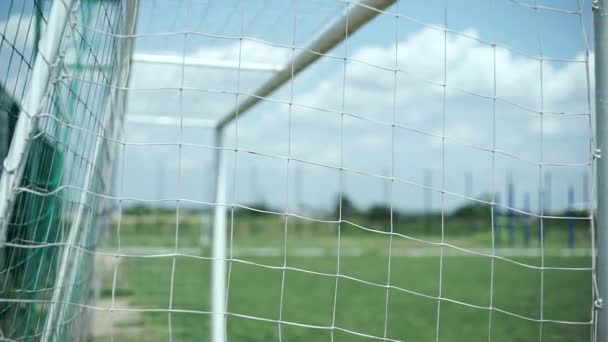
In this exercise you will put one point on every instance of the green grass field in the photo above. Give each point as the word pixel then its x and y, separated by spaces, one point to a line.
pixel 255 284
pixel 267 230
pixel 254 290
pixel 309 299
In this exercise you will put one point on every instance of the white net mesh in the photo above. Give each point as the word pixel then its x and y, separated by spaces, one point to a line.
pixel 57 209
pixel 344 171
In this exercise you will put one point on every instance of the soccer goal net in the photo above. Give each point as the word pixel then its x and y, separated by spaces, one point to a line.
pixel 61 103
pixel 291 170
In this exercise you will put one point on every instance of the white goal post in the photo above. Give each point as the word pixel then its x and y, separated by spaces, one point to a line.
pixel 18 150
pixel 63 62
pixel 601 117
pixel 348 22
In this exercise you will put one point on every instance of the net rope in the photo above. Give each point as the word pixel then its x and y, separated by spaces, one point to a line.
pixel 74 118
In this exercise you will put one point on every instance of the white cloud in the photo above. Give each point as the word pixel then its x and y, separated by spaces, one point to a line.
pixel 249 51
pixel 370 93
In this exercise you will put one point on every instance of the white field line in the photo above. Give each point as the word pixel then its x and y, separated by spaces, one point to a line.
pixel 316 252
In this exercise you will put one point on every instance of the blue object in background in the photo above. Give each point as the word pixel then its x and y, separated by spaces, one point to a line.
pixel 497 223
pixel 570 213
pixel 527 220
pixel 510 213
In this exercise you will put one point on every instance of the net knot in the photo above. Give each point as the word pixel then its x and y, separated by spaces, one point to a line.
pixel 598 303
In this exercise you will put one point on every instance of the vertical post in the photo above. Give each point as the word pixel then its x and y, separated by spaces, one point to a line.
pixel 547 207
pixel 497 221
pixel 527 220
pixel 79 232
pixel 600 24
pixel 18 152
pixel 205 229
pixel 160 195
pixel 571 213
pixel 255 201
pixel 510 213
pixel 218 267
pixel 26 124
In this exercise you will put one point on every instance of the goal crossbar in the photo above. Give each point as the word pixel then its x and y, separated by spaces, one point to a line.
pixel 204 62
pixel 170 121
pixel 351 19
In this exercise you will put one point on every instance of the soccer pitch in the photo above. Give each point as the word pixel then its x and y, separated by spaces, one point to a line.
pixel 311 294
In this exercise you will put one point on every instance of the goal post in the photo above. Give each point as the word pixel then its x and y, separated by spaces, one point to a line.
pixel 352 18
pixel 14 164
pixel 219 244
pixel 25 127
pixel 348 22
pixel 600 19
pixel 47 213
pixel 73 260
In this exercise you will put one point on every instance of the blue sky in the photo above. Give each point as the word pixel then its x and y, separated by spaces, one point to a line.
pixel 314 124
pixel 315 134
